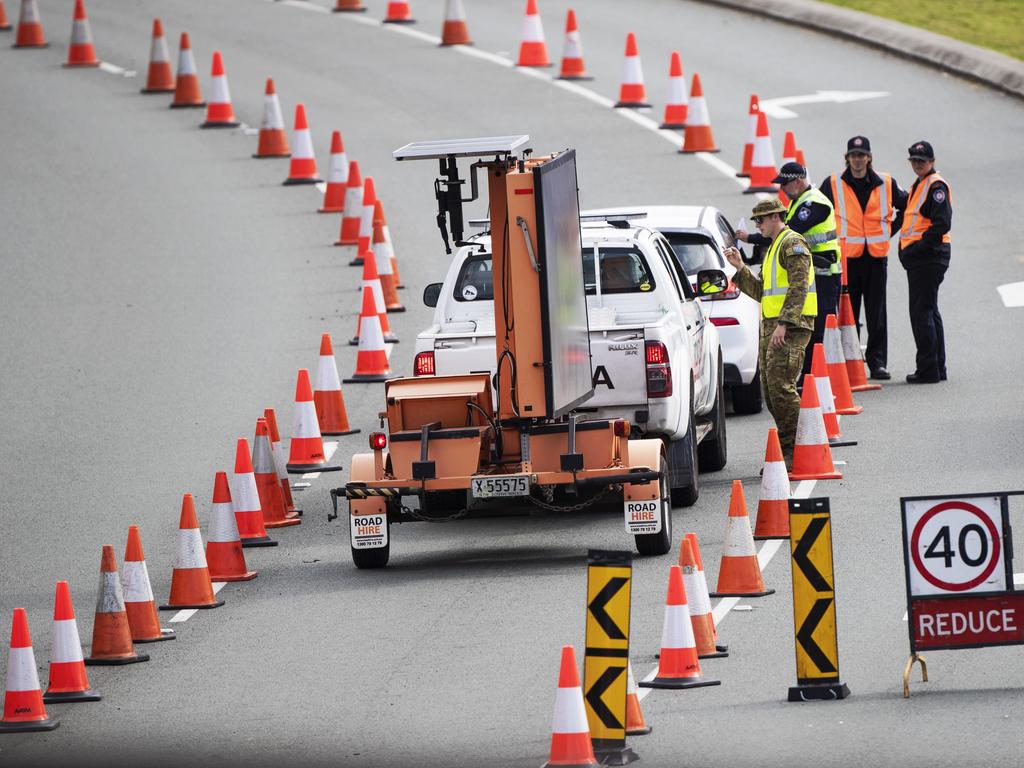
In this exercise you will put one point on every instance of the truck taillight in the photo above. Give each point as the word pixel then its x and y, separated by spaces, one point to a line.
pixel 621 428
pixel 732 292
pixel 659 372
pixel 423 365
pixel 378 441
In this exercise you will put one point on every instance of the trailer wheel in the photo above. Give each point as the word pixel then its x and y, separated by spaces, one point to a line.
pixel 365 559
pixel 659 543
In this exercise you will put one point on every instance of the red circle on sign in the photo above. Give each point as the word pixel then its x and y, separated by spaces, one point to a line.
pixel 916 536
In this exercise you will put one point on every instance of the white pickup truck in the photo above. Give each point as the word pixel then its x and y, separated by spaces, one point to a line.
pixel 657 360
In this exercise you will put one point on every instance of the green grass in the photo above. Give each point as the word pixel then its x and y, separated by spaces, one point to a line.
pixel 995 24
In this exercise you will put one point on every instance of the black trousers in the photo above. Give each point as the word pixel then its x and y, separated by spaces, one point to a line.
pixel 866 278
pixel 923 282
pixel 827 287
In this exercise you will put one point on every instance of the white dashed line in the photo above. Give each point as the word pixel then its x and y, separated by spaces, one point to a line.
pixel 113 69
pixel 1012 294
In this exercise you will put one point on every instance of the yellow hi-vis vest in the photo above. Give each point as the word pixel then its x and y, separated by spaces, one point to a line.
pixel 822 237
pixel 775 281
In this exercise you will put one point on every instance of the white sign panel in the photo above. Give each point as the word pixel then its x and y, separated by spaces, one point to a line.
pixel 643 517
pixel 369 531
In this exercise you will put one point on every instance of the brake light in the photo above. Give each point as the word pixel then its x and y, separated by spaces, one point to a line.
pixel 724 321
pixel 423 364
pixel 378 441
pixel 659 372
pixel 731 292
pixel 621 428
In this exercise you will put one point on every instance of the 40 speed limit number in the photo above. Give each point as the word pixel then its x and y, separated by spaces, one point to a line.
pixel 955 546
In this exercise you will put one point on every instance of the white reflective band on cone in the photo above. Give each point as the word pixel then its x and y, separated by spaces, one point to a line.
pixel 697 114
pixel 21 671
pixel 244 495
pixel 632 73
pixel 702 587
pixel 824 386
pixel 378 294
pixel 570 716
pixel 533 30
pixel 262 461
pixel 273 120
pixel 763 154
pixel 280 460
pixel 630 680
pixel 303 145
pixel 677 91
pixel 698 602
pixel 382 258
pixel 337 169
pixel 833 347
pixel 190 552
pixel 573 45
pixel 739 539
pixel 327 379
pixel 80 34
pixel 223 528
pixel 186 62
pixel 371 337
pixel 677 632
pixel 67 646
pixel 158 49
pixel 306 424
pixel 135 586
pixel 110 599
pixel 453 11
pixel 29 13
pixel 353 202
pixel 386 245
pixel 366 222
pixel 220 92
pixel 775 481
pixel 752 128
pixel 810 429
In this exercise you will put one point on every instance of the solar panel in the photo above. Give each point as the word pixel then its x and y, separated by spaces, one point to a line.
pixel 485 146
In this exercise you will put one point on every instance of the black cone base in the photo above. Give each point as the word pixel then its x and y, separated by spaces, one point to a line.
pixel 264 541
pixel 295 182
pixel 71 696
pixel 743 594
pixel 165 634
pixel 91 662
pixel 339 434
pixel 188 106
pixel 766 538
pixel 826 692
pixel 299 469
pixel 35 725
pixel 716 655
pixel 218 124
pixel 679 683
pixel 839 442
pixel 197 607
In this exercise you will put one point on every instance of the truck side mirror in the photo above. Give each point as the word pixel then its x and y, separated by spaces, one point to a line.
pixel 711 281
pixel 431 294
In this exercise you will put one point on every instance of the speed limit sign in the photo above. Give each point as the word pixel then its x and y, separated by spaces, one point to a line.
pixel 955 546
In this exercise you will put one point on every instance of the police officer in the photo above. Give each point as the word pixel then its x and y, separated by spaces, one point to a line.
pixel 869 210
pixel 789 306
pixel 924 253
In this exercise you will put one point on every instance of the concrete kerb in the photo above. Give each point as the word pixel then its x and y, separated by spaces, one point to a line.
pixel 963 59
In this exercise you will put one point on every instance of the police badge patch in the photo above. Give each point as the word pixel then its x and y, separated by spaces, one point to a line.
pixel 804 214
pixel 939 195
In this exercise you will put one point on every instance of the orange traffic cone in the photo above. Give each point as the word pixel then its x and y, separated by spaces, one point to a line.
pixel 570 732
pixel 573 67
pixel 812 458
pixel 337 177
pixel 306 452
pixel 5 23
pixel 455 31
pixel 372 358
pixel 837 369
pixel 826 399
pixel 372 280
pixel 677 104
pixel 273 141
pixel 224 556
pixel 245 500
pixel 68 679
pixel 384 258
pixel 191 585
pixel 30 28
pixel 111 633
pixel 303 165
pixel 328 399
pixel 366 208
pixel 281 462
pixel 748 146
pixel 678 665
pixel 139 604
pixel 632 92
pixel 762 165
pixel 81 52
pixel 399 13
pixel 380 222
pixel 187 91
pixel 851 345
pixel 702 583
pixel 773 503
pixel 739 574
pixel 219 112
pixel 533 51
pixel 699 604
pixel 23 698
pixel 635 723
pixel 341 6
pixel 800 159
pixel 789 154
pixel 698 136
pixel 352 216
pixel 268 487
pixel 160 77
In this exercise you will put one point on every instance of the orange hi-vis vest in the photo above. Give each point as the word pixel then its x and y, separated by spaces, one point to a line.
pixel 859 228
pixel 915 223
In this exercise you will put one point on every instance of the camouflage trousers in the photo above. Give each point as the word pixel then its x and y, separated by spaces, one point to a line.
pixel 780 371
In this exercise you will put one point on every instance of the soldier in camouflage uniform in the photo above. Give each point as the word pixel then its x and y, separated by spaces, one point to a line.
pixel 789 305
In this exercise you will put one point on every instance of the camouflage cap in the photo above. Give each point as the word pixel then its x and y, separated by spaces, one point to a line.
pixel 766 207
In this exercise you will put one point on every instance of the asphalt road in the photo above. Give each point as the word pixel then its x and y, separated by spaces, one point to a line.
pixel 159 289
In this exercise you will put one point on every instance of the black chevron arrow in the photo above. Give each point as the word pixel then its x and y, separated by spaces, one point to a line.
pixel 602 684
pixel 813 575
pixel 821 661
pixel 600 601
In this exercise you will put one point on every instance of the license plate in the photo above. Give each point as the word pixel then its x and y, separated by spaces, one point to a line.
pixel 501 485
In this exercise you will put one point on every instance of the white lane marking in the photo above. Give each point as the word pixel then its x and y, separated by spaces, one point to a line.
pixel 329 448
pixel 113 69
pixel 1012 294
pixel 1018 579
pixel 321 187
pixel 303 5
pixel 777 107
pixel 188 613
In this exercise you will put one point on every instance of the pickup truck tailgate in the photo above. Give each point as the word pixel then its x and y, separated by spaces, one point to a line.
pixel 620 375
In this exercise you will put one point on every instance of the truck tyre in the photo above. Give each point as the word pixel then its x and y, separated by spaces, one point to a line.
pixel 746 398
pixel 712 452
pixel 365 559
pixel 659 543
pixel 682 457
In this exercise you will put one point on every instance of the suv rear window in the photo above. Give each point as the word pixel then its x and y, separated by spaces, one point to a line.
pixel 475 281
pixel 694 252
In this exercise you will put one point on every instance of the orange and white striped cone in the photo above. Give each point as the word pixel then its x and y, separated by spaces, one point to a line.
pixel 678 665
pixel 455 31
pixel 353 214
pixel 281 462
pixel 30 27
pixel 160 76
pixel 789 154
pixel 23 698
pixel 384 258
pixel 698 136
pixel 224 555
pixel 187 91
pixel 836 363
pixel 372 357
pixel 371 280
pixel 303 164
pixel 68 679
pixel 366 209
pixel 219 112
pixel 533 51
pixel 348 6
pixel 812 457
pixel 111 632
pixel 739 574
pixel 826 399
pixel 748 146
pixel 306 451
pixel 702 583
pixel 851 345
pixel 191 585
pixel 398 13
pixel 275 514
pixel 81 51
pixel 678 104
pixel 245 500
pixel 273 140
pixel 773 502
pixel 635 723
pixel 327 397
pixel 337 177
pixel 5 23
pixel 139 603
pixel 570 731
pixel 762 165
pixel 699 604
pixel 573 66
pixel 381 221
pixel 632 93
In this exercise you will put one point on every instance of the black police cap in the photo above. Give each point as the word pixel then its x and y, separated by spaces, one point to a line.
pixel 858 144
pixel 790 171
pixel 921 150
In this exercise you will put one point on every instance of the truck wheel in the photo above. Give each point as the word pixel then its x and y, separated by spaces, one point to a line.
pixel 712 453
pixel 659 543
pixel 682 457
pixel 746 398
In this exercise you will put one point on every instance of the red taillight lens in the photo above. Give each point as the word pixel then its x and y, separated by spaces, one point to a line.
pixel 423 365
pixel 378 441
pixel 724 321
pixel 659 372
pixel 621 428
pixel 732 292
pixel 657 354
